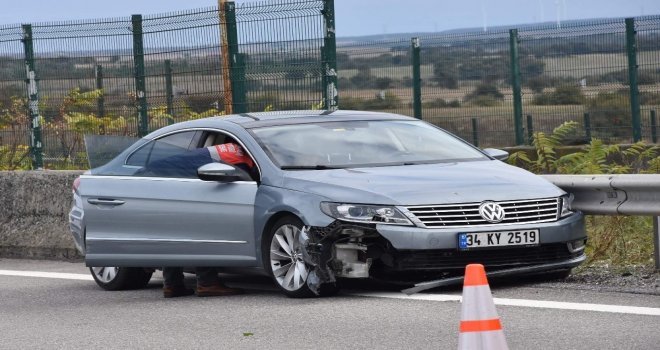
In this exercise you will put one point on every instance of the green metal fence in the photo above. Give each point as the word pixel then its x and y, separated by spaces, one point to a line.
pixel 496 88
pixel 134 74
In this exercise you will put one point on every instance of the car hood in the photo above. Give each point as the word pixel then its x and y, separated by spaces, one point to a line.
pixel 444 183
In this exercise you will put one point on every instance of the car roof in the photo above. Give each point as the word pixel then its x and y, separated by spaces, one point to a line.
pixel 258 119
pixel 261 119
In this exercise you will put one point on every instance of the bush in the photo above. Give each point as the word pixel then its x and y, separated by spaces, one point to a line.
pixel 563 95
pixel 202 103
pixel 353 103
pixel 649 98
pixel 538 84
pixel 387 101
pixel 442 103
pixel 487 89
pixel 485 94
pixel 485 101
pixel 610 112
pixel 446 75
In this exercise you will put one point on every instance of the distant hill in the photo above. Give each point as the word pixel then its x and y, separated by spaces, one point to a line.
pixel 542 26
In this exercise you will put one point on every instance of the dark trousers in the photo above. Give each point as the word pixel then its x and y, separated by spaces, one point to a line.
pixel 206 276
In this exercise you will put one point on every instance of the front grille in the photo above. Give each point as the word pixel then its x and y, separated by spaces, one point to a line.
pixel 467 214
pixel 493 258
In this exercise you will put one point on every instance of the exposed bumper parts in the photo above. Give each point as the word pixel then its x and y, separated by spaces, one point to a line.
pixel 499 273
pixel 409 255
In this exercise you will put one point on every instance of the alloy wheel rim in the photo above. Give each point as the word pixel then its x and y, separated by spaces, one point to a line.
pixel 286 258
pixel 105 274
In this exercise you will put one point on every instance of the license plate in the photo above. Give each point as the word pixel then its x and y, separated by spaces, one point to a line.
pixel 498 239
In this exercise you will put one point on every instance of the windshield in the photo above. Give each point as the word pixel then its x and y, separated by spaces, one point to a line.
pixel 361 144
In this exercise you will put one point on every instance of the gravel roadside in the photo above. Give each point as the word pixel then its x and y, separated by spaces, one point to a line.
pixel 627 279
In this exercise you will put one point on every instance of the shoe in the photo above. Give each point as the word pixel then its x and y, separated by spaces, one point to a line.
pixel 216 290
pixel 177 291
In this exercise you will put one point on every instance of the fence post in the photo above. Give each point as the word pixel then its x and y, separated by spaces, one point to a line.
pixel 516 86
pixel 140 81
pixel 238 84
pixel 631 48
pixel 475 132
pixel 587 126
pixel 656 242
pixel 36 142
pixel 236 61
pixel 169 92
pixel 417 79
pixel 530 130
pixel 654 127
pixel 100 103
pixel 330 94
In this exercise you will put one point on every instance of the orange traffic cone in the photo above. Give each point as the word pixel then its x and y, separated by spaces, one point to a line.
pixel 480 326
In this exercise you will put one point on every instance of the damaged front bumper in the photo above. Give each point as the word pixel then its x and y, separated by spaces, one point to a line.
pixel 412 254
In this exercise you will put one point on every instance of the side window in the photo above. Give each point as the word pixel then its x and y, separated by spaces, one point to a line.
pixel 164 147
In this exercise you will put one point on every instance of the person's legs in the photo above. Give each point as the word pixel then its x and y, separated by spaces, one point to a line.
pixel 173 276
pixel 209 285
pixel 173 285
pixel 207 276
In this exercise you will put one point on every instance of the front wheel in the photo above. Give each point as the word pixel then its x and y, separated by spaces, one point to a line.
pixel 120 278
pixel 283 258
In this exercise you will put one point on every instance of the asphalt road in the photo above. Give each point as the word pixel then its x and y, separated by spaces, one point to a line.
pixel 71 312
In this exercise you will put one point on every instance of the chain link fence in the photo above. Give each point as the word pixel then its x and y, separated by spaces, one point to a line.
pixel 496 88
pixel 130 75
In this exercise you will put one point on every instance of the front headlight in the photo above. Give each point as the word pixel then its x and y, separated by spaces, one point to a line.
pixel 566 202
pixel 377 214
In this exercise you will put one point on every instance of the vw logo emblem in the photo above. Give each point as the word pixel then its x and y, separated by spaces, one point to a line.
pixel 492 212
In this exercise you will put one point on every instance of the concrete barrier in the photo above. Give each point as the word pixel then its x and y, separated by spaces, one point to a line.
pixel 33 215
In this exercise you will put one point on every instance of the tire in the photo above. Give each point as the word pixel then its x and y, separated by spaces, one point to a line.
pixel 120 278
pixel 283 261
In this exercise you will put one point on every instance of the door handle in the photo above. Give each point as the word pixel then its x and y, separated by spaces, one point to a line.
pixel 105 201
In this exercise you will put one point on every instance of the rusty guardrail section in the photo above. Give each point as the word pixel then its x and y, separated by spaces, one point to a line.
pixel 616 195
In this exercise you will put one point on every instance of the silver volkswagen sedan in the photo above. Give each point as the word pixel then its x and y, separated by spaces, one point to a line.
pixel 331 195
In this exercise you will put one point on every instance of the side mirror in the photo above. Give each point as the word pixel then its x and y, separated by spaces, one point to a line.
pixel 222 173
pixel 497 153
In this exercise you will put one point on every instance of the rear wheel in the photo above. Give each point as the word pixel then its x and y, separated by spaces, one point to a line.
pixel 284 260
pixel 120 278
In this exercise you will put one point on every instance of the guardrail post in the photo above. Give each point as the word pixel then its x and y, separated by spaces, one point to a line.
pixel 36 143
pixel 169 91
pixel 530 130
pixel 100 103
pixel 516 86
pixel 417 79
pixel 475 132
pixel 654 127
pixel 631 48
pixel 656 242
pixel 140 81
pixel 330 94
pixel 587 127
pixel 236 61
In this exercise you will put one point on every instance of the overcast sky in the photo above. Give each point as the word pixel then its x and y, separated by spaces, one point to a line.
pixel 357 17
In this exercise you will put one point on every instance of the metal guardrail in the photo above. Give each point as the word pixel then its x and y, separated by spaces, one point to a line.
pixel 616 195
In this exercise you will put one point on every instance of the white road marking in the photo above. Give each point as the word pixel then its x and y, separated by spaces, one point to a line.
pixel 623 309
pixel 544 304
pixel 60 275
